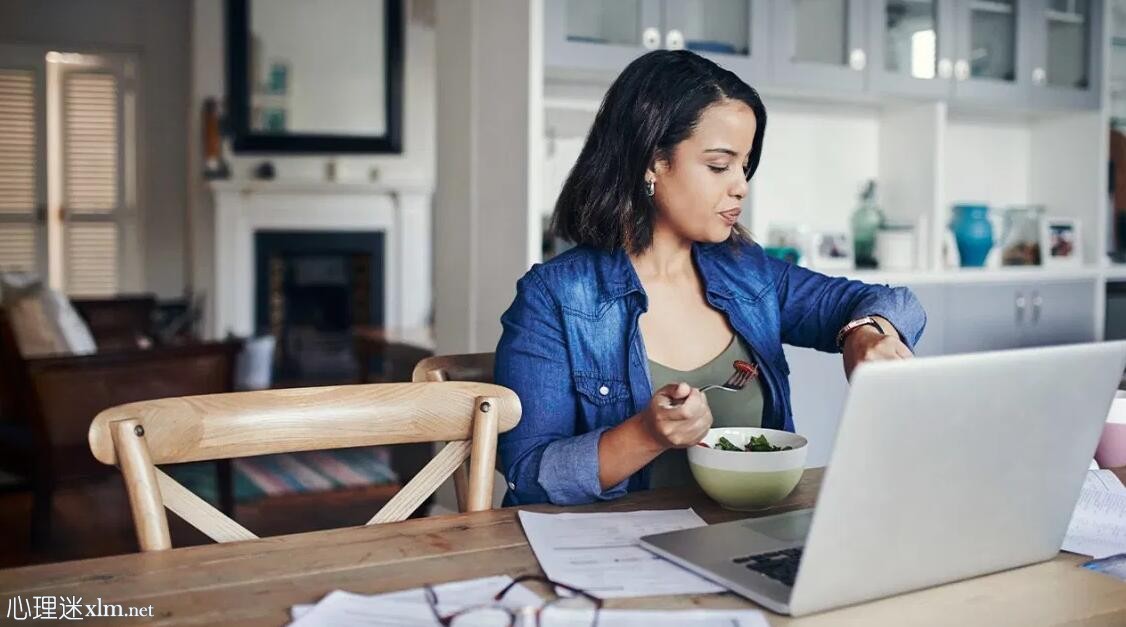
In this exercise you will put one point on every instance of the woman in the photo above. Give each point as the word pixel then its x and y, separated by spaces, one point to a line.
pixel 607 344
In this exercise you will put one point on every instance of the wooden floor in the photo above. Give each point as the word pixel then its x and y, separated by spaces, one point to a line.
pixel 93 520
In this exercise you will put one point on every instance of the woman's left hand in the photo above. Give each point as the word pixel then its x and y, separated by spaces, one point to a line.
pixel 868 344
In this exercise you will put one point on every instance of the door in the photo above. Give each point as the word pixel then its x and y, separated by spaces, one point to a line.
pixel 991 62
pixel 1067 53
pixel 984 317
pixel 912 47
pixel 820 44
pixel 1060 313
pixel 600 36
pixel 733 33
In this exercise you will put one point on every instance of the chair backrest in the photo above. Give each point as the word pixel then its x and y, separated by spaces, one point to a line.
pixel 138 436
pixel 475 367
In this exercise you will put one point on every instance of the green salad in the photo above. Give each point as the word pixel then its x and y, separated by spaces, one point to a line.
pixel 758 444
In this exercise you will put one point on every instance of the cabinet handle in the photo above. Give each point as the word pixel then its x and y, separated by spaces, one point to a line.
pixel 674 40
pixel 1037 304
pixel 1021 304
pixel 1039 76
pixel 945 68
pixel 651 38
pixel 857 59
pixel 961 69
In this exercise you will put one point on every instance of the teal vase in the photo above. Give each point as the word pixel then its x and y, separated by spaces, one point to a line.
pixel 974 234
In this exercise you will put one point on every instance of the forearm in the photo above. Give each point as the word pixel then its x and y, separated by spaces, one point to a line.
pixel 624 450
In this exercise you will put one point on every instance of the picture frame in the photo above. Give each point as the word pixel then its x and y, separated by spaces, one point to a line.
pixel 1061 242
pixel 831 250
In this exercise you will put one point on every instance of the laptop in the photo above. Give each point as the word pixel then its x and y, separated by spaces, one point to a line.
pixel 943 468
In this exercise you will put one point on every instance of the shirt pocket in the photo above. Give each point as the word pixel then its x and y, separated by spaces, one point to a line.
pixel 600 391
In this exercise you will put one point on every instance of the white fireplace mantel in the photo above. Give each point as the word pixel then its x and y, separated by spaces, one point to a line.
pixel 400 211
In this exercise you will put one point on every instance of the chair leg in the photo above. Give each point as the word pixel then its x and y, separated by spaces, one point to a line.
pixel 41 505
pixel 225 479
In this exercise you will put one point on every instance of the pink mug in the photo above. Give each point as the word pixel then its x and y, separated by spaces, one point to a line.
pixel 1111 452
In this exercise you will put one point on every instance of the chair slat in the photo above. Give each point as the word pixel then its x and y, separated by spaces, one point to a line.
pixel 403 504
pixel 199 513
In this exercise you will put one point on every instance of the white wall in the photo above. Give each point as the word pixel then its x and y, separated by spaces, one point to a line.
pixel 415 165
pixel 157 32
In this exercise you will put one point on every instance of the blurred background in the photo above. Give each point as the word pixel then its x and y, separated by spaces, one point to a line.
pixel 200 196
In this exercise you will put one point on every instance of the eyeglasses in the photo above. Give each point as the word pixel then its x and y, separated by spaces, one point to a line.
pixel 577 609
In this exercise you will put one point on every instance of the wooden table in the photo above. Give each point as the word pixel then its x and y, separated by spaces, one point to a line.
pixel 256 582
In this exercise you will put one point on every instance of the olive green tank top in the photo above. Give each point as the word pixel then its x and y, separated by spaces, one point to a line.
pixel 729 409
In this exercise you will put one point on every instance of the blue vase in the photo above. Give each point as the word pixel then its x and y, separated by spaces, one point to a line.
pixel 974 234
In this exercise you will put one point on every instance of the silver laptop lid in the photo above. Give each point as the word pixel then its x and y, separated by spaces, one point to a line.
pixel 950 467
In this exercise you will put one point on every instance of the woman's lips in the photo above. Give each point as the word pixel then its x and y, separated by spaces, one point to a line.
pixel 731 216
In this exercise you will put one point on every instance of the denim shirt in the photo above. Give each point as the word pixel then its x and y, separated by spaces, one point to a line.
pixel 572 351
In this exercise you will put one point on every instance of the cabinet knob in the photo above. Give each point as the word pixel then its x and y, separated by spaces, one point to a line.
pixel 857 59
pixel 1021 304
pixel 651 38
pixel 961 69
pixel 674 40
pixel 945 68
pixel 1037 303
pixel 1039 76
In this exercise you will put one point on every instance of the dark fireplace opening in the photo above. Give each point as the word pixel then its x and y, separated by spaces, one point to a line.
pixel 312 288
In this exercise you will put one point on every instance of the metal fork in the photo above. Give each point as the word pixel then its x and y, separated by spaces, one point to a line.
pixel 744 372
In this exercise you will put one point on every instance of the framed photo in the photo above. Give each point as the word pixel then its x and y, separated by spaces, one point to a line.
pixel 831 250
pixel 1060 242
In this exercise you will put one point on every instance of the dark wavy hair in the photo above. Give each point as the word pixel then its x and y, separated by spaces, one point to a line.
pixel 653 105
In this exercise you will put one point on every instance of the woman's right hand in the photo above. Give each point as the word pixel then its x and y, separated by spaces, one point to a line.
pixel 678 416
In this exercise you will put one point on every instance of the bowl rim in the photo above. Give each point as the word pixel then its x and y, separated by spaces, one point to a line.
pixel 804 440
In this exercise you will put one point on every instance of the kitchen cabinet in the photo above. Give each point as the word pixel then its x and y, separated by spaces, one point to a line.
pixel 912 47
pixel 820 44
pixel 1066 62
pixel 992 59
pixel 982 317
pixel 605 36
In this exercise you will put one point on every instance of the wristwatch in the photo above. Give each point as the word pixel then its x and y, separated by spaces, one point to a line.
pixel 856 324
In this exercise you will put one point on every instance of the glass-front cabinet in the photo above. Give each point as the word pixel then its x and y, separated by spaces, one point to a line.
pixel 1065 57
pixel 820 44
pixel 992 53
pixel 1019 53
pixel 605 35
pixel 912 46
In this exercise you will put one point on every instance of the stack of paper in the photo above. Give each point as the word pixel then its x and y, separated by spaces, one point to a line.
pixel 1098 525
pixel 599 553
pixel 409 608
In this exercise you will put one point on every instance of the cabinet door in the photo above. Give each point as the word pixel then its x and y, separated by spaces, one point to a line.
pixel 984 317
pixel 733 33
pixel 818 389
pixel 991 64
pixel 600 36
pixel 1067 52
pixel 820 44
pixel 1060 313
pixel 912 47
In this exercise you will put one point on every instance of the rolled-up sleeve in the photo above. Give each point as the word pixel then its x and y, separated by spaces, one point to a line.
pixel 814 307
pixel 543 459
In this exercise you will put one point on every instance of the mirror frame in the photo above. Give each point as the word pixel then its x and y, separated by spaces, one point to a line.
pixel 247 140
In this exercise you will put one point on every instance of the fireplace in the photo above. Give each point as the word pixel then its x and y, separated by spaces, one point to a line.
pixel 311 289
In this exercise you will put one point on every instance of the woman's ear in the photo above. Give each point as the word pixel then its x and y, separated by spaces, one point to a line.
pixel 659 166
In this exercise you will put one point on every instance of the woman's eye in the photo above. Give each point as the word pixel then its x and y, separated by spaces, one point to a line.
pixel 718 169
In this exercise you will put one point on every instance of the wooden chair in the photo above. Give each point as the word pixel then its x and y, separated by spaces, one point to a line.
pixel 477 367
pixel 217 426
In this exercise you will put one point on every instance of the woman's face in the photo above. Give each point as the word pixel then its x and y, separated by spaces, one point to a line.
pixel 699 191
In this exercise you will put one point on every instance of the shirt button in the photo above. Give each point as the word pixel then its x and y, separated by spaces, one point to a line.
pixel 511 486
pixel 604 390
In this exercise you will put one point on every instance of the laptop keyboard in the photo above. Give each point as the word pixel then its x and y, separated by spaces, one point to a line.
pixel 779 565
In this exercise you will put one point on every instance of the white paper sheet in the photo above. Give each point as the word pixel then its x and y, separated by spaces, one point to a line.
pixel 599 553
pixel 1098 526
pixel 668 618
pixel 408 607
pixel 1103 481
